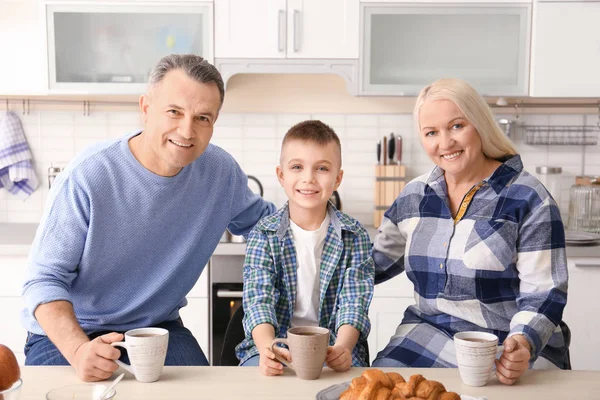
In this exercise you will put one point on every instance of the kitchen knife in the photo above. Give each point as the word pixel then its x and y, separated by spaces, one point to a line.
pixel 379 152
pixel 398 149
pixel 384 151
pixel 391 149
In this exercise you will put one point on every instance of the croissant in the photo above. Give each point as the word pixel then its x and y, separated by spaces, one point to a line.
pixel 374 384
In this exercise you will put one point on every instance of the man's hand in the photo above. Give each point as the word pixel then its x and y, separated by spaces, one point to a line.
pixel 339 358
pixel 514 360
pixel 268 365
pixel 94 360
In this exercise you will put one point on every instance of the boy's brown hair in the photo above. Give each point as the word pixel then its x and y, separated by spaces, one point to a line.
pixel 313 131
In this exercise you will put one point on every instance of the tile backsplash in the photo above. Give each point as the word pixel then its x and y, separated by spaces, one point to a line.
pixel 254 140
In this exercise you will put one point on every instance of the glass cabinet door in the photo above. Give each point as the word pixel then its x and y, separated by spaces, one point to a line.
pixel 112 48
pixel 406 47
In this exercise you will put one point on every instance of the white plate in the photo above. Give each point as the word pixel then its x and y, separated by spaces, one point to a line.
pixel 333 392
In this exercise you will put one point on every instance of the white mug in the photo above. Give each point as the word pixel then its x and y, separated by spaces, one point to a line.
pixel 475 355
pixel 147 350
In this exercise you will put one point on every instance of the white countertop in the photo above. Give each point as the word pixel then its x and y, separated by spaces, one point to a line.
pixel 16 239
pixel 248 383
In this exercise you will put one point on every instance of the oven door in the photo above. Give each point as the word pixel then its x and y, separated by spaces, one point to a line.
pixel 225 298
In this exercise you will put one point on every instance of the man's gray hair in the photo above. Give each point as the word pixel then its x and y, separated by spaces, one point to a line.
pixel 194 66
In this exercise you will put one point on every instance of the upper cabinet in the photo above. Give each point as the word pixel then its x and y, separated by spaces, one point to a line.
pixel 406 46
pixel 566 49
pixel 111 48
pixel 286 29
pixel 22 70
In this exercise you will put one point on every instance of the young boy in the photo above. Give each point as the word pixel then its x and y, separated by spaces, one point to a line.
pixel 309 263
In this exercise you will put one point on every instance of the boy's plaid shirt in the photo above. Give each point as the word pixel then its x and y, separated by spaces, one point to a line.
pixel 501 268
pixel 346 280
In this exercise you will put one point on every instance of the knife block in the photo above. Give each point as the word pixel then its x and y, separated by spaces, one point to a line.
pixel 389 182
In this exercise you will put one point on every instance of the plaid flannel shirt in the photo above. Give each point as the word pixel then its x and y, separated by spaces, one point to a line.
pixel 346 280
pixel 501 268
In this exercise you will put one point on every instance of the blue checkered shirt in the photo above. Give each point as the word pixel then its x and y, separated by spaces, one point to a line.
pixel 501 268
pixel 270 284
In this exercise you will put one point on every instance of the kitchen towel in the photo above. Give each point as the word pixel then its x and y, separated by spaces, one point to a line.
pixel 16 170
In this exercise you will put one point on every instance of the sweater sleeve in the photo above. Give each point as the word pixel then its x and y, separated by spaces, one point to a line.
pixel 542 267
pixel 58 245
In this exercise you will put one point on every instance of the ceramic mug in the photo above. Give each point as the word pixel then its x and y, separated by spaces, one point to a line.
pixel 308 348
pixel 475 355
pixel 147 350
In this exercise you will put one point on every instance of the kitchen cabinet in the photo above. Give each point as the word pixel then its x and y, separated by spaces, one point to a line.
pixel 12 334
pixel 23 66
pixel 566 49
pixel 97 47
pixel 12 269
pixel 581 313
pixel 485 44
pixel 286 29
pixel 390 300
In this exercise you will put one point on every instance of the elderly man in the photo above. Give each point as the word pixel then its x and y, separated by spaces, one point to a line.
pixel 130 224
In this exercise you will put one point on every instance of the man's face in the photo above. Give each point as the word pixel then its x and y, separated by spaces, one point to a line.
pixel 309 173
pixel 178 114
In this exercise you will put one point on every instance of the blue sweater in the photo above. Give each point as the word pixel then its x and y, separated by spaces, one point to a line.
pixel 125 245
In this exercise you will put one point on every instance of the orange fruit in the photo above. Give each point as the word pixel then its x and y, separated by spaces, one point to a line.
pixel 9 368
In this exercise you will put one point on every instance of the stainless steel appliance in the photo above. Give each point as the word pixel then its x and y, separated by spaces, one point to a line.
pixel 226 285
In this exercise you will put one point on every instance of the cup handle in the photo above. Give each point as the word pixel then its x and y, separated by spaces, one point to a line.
pixel 277 356
pixel 499 352
pixel 120 363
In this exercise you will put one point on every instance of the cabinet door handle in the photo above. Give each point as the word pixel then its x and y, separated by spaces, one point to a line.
pixel 296 33
pixel 592 264
pixel 233 294
pixel 280 31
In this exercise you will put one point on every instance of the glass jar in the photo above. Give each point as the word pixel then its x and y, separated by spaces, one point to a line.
pixel 584 204
pixel 551 179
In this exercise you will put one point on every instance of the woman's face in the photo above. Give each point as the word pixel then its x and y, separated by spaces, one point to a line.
pixel 448 138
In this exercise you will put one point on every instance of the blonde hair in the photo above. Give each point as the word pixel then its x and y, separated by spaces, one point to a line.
pixel 494 142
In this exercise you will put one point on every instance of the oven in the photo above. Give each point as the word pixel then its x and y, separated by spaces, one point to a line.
pixel 226 285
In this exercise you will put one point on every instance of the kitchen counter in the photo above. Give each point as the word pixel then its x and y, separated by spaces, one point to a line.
pixel 16 239
pixel 247 383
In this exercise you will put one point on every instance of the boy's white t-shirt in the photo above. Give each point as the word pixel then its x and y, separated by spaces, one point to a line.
pixel 309 249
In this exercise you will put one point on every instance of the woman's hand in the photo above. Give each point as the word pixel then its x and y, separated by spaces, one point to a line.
pixel 514 360
pixel 268 365
pixel 339 358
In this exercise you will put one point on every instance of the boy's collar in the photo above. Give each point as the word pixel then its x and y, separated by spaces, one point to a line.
pixel 280 221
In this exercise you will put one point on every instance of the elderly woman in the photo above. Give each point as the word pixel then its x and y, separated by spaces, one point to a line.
pixel 481 240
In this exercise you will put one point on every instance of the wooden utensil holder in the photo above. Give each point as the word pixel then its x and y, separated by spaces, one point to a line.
pixel 389 182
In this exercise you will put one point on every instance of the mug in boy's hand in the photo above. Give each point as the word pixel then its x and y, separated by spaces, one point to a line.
pixel 147 350
pixel 308 349
pixel 475 355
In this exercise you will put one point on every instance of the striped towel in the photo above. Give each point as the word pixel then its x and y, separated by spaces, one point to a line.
pixel 16 171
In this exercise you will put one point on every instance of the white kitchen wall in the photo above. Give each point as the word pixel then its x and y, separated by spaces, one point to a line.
pixel 254 140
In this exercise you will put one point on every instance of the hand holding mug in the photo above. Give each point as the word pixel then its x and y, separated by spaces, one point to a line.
pixel 339 358
pixel 269 365
pixel 514 360
pixel 95 360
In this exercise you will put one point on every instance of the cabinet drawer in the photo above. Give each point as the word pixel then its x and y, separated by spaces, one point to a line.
pixel 195 318
pixel 200 289
pixel 12 334
pixel 398 286
pixel 12 270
